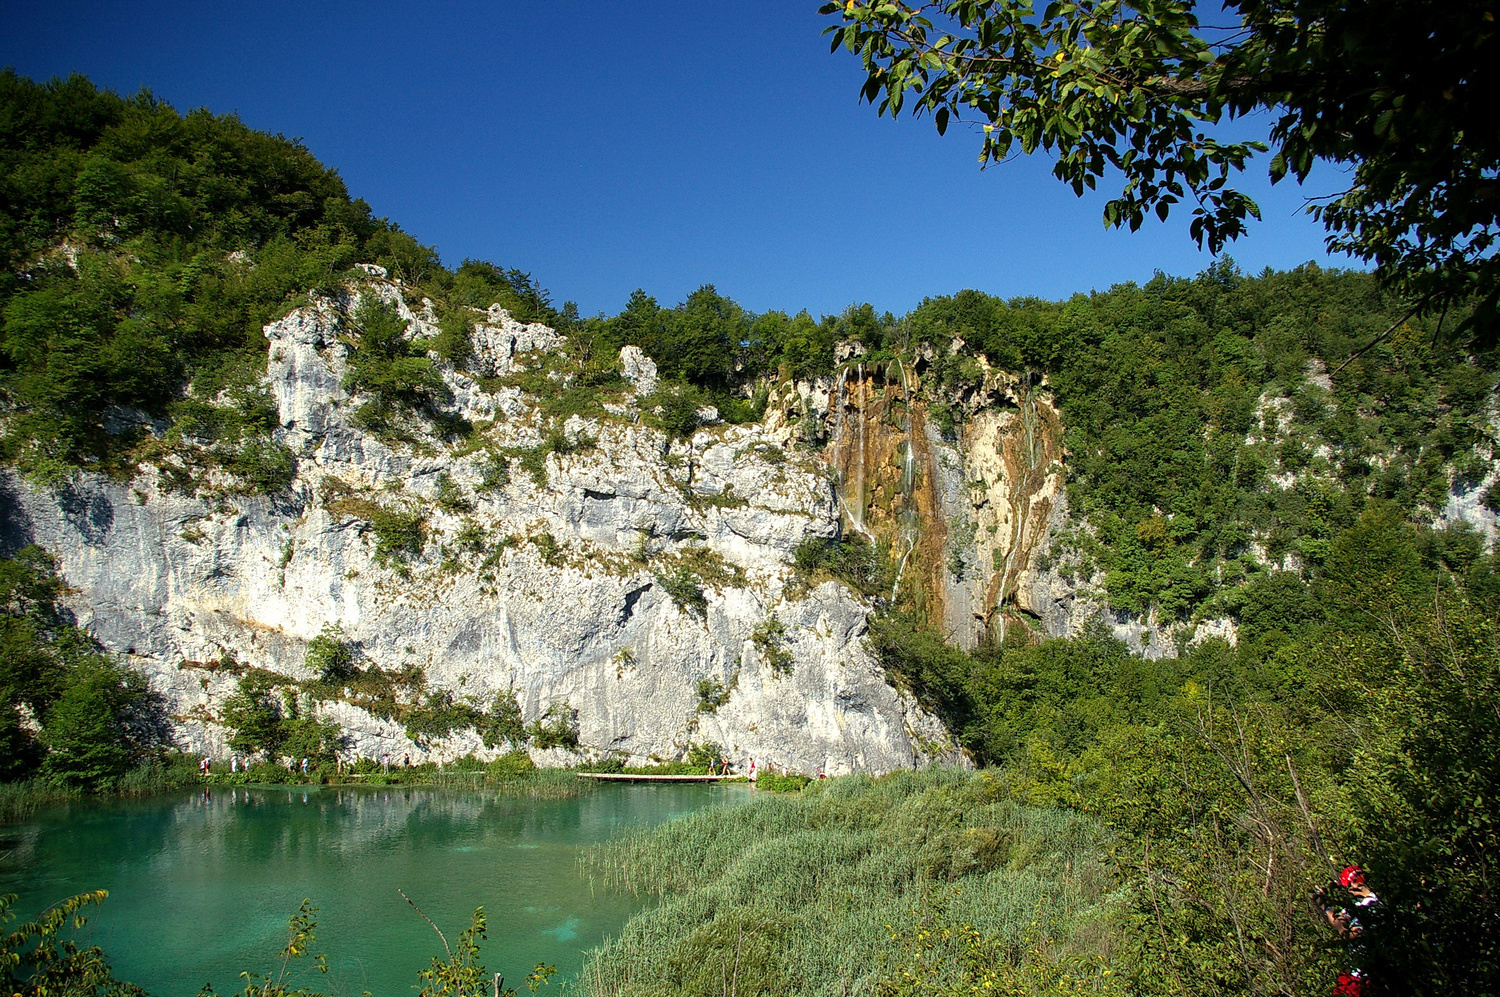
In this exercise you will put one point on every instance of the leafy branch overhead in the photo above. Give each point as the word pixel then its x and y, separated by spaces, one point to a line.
pixel 1396 90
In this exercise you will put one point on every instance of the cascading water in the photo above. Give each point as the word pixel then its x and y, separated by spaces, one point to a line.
pixel 854 512
pixel 909 518
pixel 859 473
pixel 1032 457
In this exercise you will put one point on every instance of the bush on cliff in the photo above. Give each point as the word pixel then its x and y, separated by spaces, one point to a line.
pixel 67 712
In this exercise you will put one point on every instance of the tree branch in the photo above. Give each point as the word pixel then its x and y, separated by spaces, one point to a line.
pixel 1372 343
pixel 414 907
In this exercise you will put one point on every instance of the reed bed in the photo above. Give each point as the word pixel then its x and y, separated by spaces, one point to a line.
pixel 544 784
pixel 821 892
pixel 20 799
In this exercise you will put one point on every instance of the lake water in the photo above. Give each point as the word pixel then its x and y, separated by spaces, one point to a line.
pixel 201 888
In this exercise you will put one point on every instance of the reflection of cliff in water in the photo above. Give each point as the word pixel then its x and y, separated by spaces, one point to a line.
pixel 201 885
pixel 960 518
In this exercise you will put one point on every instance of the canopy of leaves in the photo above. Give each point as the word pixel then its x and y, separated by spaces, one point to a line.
pixel 1396 89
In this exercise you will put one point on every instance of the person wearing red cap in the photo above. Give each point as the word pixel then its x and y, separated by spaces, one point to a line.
pixel 1347 923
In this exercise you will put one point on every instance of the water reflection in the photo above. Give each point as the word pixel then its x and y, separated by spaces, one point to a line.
pixel 201 884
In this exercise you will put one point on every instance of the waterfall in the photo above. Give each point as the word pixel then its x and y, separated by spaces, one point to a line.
pixel 859 477
pixel 910 526
pixel 836 403
pixel 911 545
pixel 856 514
pixel 909 472
pixel 1033 451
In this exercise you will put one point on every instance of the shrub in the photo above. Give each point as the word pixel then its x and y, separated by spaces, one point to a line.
pixel 713 694
pixel 557 728
pixel 706 756
pixel 852 559
pixel 494 470
pixel 450 498
pixel 503 724
pixel 679 405
pixel 455 339
pixel 513 765
pixel 330 655
pixel 307 737
pixel 400 537
pixel 254 716
pixel 470 537
pixel 547 546
pixel 769 637
pixel 266 467
pixel 682 585
pixel 438 715
pixel 790 783
pixel 386 368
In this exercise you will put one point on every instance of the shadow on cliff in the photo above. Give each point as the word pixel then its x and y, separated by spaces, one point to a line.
pixel 16 528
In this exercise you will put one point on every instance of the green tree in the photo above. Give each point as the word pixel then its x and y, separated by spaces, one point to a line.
pixel 1397 90
pixel 86 731
pixel 19 751
pixel 255 716
pixel 387 368
pixel 330 655
pixel 141 252
pixel 1424 791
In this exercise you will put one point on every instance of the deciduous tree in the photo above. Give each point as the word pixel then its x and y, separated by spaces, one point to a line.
pixel 1398 91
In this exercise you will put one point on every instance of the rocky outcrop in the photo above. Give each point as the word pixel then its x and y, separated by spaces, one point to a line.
pixel 542 568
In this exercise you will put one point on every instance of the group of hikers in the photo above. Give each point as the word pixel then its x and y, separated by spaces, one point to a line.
pixel 1346 921
pixel 236 764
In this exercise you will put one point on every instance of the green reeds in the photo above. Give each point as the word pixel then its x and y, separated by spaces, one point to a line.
pixel 18 799
pixel 804 893
pixel 155 775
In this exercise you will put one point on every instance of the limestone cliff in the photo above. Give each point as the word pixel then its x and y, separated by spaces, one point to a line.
pixel 965 515
pixel 542 576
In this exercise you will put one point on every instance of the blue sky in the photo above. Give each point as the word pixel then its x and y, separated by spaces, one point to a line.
pixel 606 146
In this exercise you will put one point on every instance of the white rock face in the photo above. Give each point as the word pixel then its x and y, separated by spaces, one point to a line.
pixel 549 588
pixel 639 369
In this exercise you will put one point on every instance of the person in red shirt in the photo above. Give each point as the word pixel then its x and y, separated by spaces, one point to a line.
pixel 1347 923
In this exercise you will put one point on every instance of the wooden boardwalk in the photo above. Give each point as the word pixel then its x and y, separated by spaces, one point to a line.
pixel 624 777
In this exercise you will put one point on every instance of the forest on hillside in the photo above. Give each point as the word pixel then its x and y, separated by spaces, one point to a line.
pixel 1234 449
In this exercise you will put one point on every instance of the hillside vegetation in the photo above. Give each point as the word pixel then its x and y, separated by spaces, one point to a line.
pixel 1223 459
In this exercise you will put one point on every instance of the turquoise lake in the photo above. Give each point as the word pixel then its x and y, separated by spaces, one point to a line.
pixel 201 886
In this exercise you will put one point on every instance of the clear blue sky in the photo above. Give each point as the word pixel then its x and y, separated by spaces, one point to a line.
pixel 606 146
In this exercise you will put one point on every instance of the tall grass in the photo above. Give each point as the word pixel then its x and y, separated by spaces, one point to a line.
pixel 544 784
pixel 19 799
pixel 810 893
